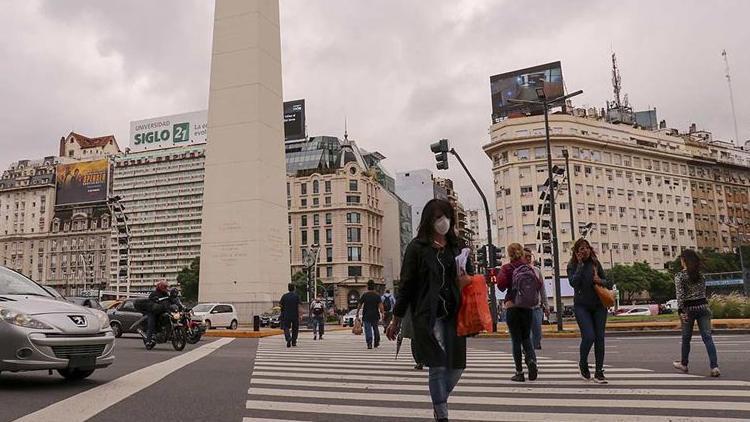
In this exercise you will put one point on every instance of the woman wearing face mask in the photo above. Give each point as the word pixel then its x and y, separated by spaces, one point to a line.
pixel 431 287
pixel 584 271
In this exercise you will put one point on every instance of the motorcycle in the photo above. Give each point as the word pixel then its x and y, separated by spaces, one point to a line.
pixel 169 328
pixel 194 329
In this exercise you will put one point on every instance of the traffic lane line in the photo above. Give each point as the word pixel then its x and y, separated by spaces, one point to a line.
pixel 89 403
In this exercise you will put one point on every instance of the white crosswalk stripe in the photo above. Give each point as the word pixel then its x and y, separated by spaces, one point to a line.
pixel 338 379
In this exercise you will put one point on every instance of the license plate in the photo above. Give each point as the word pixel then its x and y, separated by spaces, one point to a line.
pixel 82 362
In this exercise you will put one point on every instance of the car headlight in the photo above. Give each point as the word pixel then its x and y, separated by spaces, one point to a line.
pixel 103 319
pixel 22 320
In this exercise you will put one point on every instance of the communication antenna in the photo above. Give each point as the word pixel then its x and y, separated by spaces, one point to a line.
pixel 346 130
pixel 731 96
pixel 616 81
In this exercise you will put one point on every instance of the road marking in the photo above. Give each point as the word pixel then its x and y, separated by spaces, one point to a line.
pixel 270 420
pixel 462 388
pixel 507 401
pixel 489 369
pixel 91 402
pixel 469 415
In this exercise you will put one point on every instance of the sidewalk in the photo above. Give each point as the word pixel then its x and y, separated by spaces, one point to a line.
pixel 246 331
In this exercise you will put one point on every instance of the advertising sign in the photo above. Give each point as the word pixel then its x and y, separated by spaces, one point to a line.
pixel 83 182
pixel 522 85
pixel 294 119
pixel 169 131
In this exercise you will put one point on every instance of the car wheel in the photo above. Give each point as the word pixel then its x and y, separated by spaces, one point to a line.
pixel 116 329
pixel 233 325
pixel 75 374
pixel 208 324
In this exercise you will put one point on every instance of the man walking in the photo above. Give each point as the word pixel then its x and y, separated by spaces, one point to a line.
pixel 388 303
pixel 542 308
pixel 289 317
pixel 318 310
pixel 372 310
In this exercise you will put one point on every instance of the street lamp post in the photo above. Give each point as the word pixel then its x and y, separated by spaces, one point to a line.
pixel 555 253
pixel 570 196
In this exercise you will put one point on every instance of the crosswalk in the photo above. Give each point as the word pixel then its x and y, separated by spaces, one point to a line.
pixel 339 379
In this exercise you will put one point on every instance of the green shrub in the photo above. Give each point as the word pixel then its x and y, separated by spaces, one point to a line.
pixel 729 306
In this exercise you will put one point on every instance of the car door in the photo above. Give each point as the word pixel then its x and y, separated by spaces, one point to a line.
pixel 226 315
pixel 217 319
pixel 127 314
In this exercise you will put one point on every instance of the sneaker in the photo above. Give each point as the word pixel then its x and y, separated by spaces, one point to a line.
pixel 599 378
pixel 715 373
pixel 377 344
pixel 585 373
pixel 369 346
pixel 315 337
pixel 294 344
pixel 679 366
pixel 519 377
pixel 533 371
pixel 418 367
pixel 288 344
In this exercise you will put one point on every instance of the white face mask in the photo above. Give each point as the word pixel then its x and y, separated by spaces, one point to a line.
pixel 442 225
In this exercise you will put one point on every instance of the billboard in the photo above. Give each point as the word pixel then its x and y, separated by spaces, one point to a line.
pixel 294 119
pixel 82 182
pixel 522 85
pixel 169 131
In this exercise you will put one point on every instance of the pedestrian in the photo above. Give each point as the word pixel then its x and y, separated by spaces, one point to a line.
pixel 521 281
pixel 584 271
pixel 372 310
pixel 690 287
pixel 542 309
pixel 388 303
pixel 431 287
pixel 290 316
pixel 318 311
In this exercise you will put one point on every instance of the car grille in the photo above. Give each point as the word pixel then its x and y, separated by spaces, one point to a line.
pixel 74 335
pixel 65 352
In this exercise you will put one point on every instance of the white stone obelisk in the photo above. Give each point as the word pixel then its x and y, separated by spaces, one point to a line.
pixel 244 246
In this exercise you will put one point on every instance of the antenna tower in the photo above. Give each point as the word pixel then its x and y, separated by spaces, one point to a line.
pixel 731 96
pixel 616 82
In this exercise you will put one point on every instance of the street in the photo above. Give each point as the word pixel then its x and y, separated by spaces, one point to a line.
pixel 338 379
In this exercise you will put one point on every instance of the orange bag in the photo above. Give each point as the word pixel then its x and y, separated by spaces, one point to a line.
pixel 474 315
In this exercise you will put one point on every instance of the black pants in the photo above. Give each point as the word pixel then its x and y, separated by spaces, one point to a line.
pixel 151 325
pixel 519 324
pixel 591 322
pixel 292 326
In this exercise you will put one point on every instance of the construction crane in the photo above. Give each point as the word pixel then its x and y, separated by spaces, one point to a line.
pixel 731 96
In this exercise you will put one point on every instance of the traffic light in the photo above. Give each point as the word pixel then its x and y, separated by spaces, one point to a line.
pixel 440 149
pixel 496 254
pixel 482 257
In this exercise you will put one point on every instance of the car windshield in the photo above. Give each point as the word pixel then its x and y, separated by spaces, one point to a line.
pixel 202 308
pixel 13 283
pixel 353 312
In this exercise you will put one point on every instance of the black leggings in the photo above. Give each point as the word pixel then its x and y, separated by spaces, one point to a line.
pixel 519 324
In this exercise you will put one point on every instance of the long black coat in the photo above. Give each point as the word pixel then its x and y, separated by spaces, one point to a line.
pixel 421 277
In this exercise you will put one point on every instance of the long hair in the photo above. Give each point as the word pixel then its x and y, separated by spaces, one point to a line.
pixel 427 222
pixel 580 242
pixel 693 264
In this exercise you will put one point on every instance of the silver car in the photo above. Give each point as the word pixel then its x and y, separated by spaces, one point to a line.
pixel 41 332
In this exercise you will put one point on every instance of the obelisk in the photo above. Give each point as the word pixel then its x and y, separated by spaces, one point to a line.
pixel 244 245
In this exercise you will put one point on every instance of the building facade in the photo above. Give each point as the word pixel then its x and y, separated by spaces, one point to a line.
pixel 416 187
pixel 463 230
pixel 161 191
pixel 338 207
pixel 643 195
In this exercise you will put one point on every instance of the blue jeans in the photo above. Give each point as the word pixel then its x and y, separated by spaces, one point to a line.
pixel 371 330
pixel 536 327
pixel 319 326
pixel 442 379
pixel 519 326
pixel 150 326
pixel 591 322
pixel 704 326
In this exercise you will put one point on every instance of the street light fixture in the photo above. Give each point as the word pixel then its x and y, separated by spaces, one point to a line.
pixel 555 250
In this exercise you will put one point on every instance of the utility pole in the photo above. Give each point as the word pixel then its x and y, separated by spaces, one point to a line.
pixel 570 195
pixel 731 96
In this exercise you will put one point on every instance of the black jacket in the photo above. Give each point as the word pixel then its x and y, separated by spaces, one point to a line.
pixel 289 304
pixel 421 278
pixel 581 279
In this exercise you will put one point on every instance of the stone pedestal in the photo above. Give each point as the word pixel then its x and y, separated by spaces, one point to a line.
pixel 244 250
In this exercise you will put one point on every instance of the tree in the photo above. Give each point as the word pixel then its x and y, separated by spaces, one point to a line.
pixel 299 279
pixel 661 287
pixel 631 280
pixel 716 262
pixel 188 280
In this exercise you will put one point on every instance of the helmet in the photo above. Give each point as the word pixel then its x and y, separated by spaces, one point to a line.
pixel 162 286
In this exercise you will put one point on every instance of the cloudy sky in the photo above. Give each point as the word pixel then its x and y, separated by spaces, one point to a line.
pixel 403 72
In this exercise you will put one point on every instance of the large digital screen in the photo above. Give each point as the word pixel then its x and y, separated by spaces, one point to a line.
pixel 78 183
pixel 522 85
pixel 294 119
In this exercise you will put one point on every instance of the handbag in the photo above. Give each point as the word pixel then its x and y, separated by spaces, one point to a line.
pixel 606 296
pixel 357 329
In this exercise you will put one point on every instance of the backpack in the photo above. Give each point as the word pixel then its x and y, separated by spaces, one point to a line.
pixel 318 308
pixel 527 287
pixel 387 305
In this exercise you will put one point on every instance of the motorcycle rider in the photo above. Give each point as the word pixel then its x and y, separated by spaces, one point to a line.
pixel 157 298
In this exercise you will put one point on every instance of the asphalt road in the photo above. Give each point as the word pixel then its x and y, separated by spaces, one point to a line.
pixel 338 379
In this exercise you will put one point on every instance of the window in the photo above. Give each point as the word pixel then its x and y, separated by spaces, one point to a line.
pixel 303 188
pixel 329 236
pixel 303 203
pixel 527 208
pixel 526 190
pixel 329 254
pixel 316 202
pixel 523 154
pixel 304 221
pixel 540 152
pixel 316 219
pixel 328 200
pixel 316 186
pixel 328 218
pixel 352 199
pixel 304 237
pixel 328 186
pixel 354 271
pixel 354 253
pixel 316 237
pixel 353 234
pixel 353 217
pixel 353 186
pixel 329 271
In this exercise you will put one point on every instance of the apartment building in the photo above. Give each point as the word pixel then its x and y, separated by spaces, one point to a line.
pixel 161 191
pixel 417 187
pixel 463 230
pixel 636 188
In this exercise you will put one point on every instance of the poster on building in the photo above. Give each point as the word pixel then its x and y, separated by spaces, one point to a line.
pixel 83 182
pixel 523 84
pixel 294 119
pixel 169 131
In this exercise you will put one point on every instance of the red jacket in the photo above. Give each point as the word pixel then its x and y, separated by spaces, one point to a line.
pixel 505 279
